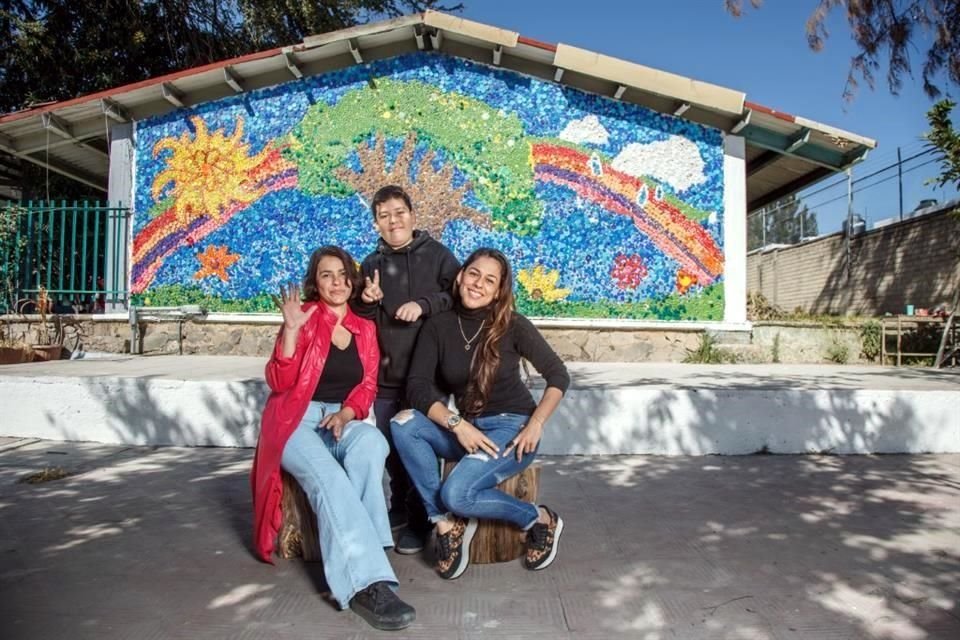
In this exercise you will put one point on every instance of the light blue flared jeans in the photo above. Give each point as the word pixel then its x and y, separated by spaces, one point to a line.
pixel 344 483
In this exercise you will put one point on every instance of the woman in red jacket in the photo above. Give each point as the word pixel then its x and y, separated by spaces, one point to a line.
pixel 323 379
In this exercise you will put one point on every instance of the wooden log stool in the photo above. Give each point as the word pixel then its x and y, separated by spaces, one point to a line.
pixel 497 540
pixel 298 531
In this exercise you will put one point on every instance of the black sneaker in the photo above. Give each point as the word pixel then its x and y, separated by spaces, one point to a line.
pixel 409 542
pixel 542 540
pixel 381 608
pixel 453 548
pixel 398 519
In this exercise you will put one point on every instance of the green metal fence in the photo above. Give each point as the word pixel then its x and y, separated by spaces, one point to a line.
pixel 77 251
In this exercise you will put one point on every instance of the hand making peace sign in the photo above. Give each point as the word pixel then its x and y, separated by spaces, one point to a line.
pixel 371 288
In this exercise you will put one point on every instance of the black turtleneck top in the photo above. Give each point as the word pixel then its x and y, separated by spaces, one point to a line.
pixel 441 364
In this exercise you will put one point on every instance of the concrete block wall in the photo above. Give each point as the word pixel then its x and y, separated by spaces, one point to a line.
pixel 910 262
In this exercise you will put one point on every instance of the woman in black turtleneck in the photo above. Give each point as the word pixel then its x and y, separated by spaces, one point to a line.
pixel 473 351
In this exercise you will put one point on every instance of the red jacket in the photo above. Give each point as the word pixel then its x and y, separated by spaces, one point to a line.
pixel 292 382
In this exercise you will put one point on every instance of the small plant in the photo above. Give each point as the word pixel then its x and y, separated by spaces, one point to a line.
pixel 870 340
pixel 759 308
pixel 706 352
pixel 775 350
pixel 838 352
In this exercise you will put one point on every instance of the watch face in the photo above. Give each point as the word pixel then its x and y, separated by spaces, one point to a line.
pixel 453 420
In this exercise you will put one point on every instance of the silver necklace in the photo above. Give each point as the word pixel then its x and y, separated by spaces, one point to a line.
pixel 466 347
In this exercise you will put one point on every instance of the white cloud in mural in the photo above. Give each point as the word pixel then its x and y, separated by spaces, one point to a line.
pixel 585 130
pixel 675 161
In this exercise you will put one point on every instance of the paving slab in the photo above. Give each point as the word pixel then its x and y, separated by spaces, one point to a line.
pixel 154 543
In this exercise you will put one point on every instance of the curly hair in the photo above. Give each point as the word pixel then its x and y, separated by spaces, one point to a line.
pixel 310 292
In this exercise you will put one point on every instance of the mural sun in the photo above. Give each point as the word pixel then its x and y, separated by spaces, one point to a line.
pixel 209 173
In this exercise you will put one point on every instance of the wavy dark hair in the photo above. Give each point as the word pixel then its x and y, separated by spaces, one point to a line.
pixel 486 359
pixel 310 292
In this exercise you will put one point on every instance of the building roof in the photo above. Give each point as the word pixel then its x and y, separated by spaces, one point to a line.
pixel 784 153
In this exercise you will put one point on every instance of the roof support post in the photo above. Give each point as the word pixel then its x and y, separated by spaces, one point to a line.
pixel 682 109
pixel 497 53
pixel 291 63
pixel 172 95
pixel 355 51
pixel 558 74
pixel 232 79
pixel 436 39
pixel 418 36
pixel 621 89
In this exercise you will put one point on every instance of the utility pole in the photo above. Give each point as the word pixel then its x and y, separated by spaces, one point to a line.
pixel 900 180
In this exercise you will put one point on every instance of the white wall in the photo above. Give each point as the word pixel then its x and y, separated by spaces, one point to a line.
pixel 735 229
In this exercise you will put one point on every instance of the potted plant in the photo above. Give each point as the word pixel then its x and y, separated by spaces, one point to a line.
pixel 13 350
pixel 49 345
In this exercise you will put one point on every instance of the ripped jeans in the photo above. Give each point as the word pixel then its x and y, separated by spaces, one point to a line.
pixel 470 489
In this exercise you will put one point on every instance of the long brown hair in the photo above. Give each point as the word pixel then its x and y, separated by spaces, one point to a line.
pixel 310 292
pixel 486 359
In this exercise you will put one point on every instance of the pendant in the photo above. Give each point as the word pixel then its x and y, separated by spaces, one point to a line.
pixel 466 347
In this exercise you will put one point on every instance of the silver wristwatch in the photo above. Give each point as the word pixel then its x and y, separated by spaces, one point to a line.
pixel 453 420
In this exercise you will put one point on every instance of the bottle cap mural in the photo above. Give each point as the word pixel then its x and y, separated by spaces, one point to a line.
pixel 606 209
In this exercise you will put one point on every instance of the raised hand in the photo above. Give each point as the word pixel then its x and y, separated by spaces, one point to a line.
pixel 294 317
pixel 371 288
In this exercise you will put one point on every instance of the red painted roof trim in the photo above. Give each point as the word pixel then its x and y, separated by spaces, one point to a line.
pixel 767 110
pixel 19 115
pixel 536 43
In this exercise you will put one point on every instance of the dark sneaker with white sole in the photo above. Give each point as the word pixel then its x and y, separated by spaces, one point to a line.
pixel 381 608
pixel 409 542
pixel 453 548
pixel 542 540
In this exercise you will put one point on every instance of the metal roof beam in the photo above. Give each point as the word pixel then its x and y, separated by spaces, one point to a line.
pixel 682 109
pixel 292 66
pixel 436 39
pixel 761 162
pixel 814 154
pixel 63 129
pixel 801 138
pixel 418 36
pixel 497 54
pixel 558 74
pixel 66 170
pixel 55 124
pixel 6 143
pixel 621 89
pixel 113 110
pixel 172 95
pixel 737 128
pixel 231 78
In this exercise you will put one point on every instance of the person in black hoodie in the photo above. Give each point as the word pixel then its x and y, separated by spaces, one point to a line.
pixel 408 278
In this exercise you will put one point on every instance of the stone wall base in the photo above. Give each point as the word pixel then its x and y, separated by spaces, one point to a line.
pixel 790 342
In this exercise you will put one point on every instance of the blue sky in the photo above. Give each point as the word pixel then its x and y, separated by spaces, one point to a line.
pixel 764 54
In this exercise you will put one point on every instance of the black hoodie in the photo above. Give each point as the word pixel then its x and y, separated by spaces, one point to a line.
pixel 424 272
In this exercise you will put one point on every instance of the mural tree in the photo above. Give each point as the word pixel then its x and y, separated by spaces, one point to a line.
pixel 454 133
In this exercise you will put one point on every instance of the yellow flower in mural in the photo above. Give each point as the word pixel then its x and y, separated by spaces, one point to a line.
pixel 541 284
pixel 209 173
pixel 214 261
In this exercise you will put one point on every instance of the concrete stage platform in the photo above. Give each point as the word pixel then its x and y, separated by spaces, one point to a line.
pixel 644 408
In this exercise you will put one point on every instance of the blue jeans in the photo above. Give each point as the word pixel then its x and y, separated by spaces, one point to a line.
pixel 344 483
pixel 470 489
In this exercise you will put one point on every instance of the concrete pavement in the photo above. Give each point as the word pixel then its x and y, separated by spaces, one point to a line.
pixel 153 542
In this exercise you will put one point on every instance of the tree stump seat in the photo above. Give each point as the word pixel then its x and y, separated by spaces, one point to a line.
pixel 496 540
pixel 298 536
